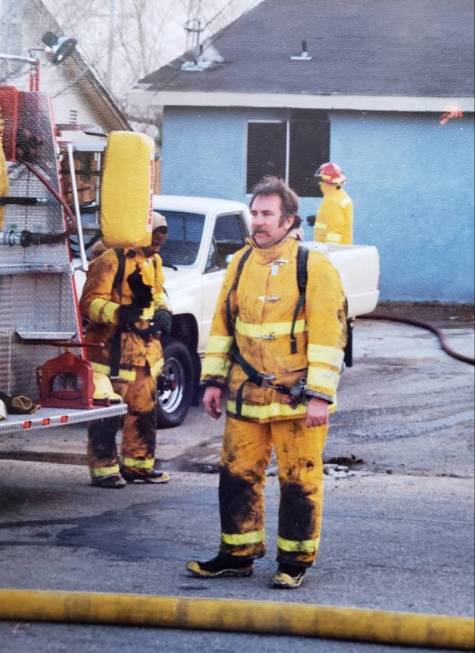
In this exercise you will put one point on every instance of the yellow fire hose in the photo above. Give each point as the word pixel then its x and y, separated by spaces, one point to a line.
pixel 354 624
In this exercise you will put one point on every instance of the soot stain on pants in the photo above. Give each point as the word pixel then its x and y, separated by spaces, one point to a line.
pixel 296 513
pixel 102 436
pixel 237 499
pixel 147 430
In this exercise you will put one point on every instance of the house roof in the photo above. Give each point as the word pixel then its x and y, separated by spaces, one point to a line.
pixel 359 48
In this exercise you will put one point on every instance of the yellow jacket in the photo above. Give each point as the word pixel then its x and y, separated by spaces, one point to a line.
pixel 263 307
pixel 100 302
pixel 334 222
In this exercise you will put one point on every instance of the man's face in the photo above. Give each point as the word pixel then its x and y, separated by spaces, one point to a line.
pixel 267 224
pixel 159 236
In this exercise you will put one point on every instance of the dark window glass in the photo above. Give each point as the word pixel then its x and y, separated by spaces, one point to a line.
pixel 309 148
pixel 265 151
pixel 229 236
pixel 184 237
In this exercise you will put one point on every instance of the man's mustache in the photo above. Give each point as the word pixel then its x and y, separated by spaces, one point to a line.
pixel 259 231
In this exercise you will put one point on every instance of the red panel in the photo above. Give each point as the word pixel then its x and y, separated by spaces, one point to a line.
pixel 66 368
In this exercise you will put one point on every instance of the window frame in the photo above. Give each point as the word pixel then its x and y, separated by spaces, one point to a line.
pixel 287 122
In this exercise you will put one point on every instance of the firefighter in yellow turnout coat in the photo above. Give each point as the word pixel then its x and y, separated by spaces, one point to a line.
pixel 257 329
pixel 126 307
pixel 334 221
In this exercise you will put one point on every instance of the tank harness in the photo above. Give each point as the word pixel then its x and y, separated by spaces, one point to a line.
pixel 295 392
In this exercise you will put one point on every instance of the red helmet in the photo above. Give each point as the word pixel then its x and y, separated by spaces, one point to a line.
pixel 330 173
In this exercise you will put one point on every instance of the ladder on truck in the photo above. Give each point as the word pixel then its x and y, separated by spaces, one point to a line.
pixel 82 156
pixel 39 316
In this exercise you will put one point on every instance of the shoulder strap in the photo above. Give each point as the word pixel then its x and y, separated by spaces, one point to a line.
pixel 119 275
pixel 229 315
pixel 302 274
pixel 116 340
pixel 302 258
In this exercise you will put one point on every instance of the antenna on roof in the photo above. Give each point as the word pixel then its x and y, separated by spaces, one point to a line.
pixel 304 55
pixel 193 26
pixel 193 29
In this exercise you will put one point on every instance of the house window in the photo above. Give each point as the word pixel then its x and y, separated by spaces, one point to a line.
pixel 291 149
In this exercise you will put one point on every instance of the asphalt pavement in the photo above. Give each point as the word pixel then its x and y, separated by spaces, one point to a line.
pixel 398 530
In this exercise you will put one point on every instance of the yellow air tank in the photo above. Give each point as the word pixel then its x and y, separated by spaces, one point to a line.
pixel 126 190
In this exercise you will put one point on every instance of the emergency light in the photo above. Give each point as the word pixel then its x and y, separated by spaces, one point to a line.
pixel 58 48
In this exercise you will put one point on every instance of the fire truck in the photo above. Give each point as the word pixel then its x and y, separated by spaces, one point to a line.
pixel 49 202
pixel 45 380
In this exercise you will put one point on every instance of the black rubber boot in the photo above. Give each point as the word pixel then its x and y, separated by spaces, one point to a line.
pixel 288 577
pixel 222 565
pixel 150 476
pixel 115 482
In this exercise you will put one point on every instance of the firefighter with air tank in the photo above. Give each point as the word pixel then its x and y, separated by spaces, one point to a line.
pixel 127 310
pixel 272 362
pixel 126 307
pixel 334 220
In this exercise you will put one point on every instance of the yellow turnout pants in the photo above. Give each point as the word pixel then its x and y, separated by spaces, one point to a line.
pixel 246 453
pixel 139 430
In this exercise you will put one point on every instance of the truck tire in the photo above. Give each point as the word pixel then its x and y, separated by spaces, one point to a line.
pixel 175 385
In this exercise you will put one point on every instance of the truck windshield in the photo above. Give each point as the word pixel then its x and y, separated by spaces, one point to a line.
pixel 184 237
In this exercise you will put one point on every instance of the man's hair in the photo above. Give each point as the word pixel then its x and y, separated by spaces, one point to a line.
pixel 275 186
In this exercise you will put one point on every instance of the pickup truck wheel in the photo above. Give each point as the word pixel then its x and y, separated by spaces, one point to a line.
pixel 175 385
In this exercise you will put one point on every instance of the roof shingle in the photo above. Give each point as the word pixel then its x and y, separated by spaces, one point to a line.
pixel 358 47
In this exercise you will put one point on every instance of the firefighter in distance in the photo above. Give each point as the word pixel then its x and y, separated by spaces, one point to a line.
pixel 334 220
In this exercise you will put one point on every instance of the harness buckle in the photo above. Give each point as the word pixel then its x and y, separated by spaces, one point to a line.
pixel 297 392
pixel 267 379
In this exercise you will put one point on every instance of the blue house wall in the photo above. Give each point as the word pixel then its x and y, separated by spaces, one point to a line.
pixel 411 180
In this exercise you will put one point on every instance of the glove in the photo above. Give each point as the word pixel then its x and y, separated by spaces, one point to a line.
pixel 163 321
pixel 142 293
pixel 128 315
pixel 18 404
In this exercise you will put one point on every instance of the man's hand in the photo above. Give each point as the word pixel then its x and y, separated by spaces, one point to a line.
pixel 317 412
pixel 212 401
pixel 127 315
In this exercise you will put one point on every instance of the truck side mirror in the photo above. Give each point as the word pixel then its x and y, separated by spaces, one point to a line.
pixel 310 220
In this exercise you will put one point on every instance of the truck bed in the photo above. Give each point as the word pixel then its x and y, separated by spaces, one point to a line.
pixel 358 266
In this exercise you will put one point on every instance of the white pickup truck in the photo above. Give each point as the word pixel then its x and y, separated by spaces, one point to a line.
pixel 202 234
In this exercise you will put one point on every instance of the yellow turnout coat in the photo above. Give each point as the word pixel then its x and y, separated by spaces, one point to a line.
pixel 334 222
pixel 262 308
pixel 100 302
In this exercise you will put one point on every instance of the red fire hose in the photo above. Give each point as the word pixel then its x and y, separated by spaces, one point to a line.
pixel 423 325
